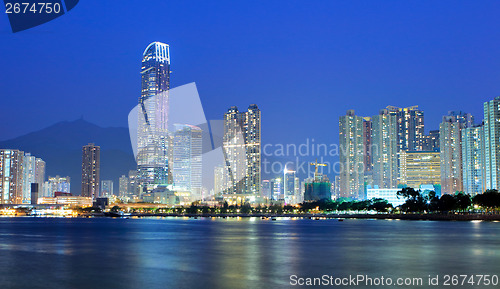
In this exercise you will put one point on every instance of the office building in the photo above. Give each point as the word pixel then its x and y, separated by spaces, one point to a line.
pixel 420 168
pixel 153 141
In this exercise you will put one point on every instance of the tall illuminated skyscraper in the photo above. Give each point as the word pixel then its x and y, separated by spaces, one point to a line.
pixel 242 149
pixel 11 176
pixel 492 143
pixel 473 160
pixel 187 159
pixel 91 168
pixel 352 155
pixel 450 139
pixel 152 136
pixel 384 150
pixel 33 172
pixel 410 127
pixel 289 186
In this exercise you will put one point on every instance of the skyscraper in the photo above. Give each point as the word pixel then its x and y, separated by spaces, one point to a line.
pixel 11 176
pixel 289 186
pixel 351 157
pixel 33 172
pixel 152 135
pixel 492 143
pixel 450 139
pixel 384 150
pixel 242 149
pixel 123 186
pixel 91 162
pixel 473 160
pixel 410 127
pixel 367 137
pixel 187 159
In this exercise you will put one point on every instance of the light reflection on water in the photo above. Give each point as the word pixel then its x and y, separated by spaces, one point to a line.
pixel 234 253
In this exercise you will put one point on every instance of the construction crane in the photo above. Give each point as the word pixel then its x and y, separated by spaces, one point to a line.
pixel 316 165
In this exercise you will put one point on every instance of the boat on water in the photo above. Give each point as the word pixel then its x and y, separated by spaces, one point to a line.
pixel 118 214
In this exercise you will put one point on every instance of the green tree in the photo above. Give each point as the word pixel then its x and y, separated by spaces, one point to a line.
pixel 490 199
pixel 447 203
pixel 415 202
pixel 380 205
pixel 463 200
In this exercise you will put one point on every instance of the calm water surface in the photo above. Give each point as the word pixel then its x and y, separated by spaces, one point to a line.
pixel 236 253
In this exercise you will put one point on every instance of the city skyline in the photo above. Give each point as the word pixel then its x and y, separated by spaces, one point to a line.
pixel 373 61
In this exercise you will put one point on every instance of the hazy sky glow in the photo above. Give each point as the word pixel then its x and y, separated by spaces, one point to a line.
pixel 303 62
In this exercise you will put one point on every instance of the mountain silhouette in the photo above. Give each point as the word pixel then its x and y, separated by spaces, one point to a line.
pixel 60 146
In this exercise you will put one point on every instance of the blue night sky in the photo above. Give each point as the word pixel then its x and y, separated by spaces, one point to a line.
pixel 304 63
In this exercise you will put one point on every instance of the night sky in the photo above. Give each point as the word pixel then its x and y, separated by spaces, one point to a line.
pixel 304 63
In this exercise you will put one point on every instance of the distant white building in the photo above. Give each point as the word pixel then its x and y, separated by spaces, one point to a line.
pixel 106 188
pixel 387 194
pixel 56 184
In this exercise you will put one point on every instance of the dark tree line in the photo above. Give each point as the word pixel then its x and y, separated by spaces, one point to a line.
pixel 416 202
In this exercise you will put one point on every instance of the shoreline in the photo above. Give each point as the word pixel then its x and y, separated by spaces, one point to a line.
pixel 416 217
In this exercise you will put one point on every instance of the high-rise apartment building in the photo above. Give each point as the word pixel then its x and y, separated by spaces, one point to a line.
pixel 352 155
pixel 289 186
pixel 33 172
pixel 133 187
pixel 492 143
pixel 187 159
pixel 410 127
pixel 384 150
pixel 11 176
pixel 367 138
pixel 123 186
pixel 152 131
pixel 242 150
pixel 91 163
pixel 473 160
pixel 450 139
